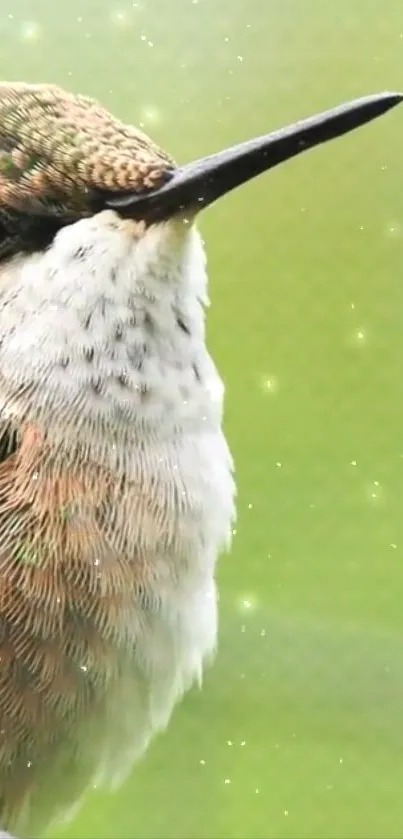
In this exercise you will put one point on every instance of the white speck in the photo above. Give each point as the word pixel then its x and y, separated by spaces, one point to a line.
pixel 269 384
pixel 84 668
pixel 30 31
pixel 58 600
pixel 202 762
pixel 240 57
pixel 257 790
pixel 227 781
pixel 243 742
pixel 250 506
pixel 393 545
pixel 150 114
pixel 35 476
pixel 247 604
pixel 97 561
pixel 286 812
pixel 119 18
pixel 10 17
pixel 29 764
pixel 229 743
pixel 341 760
pixel 353 463
pixel 394 230
pixel 352 305
pixel 226 40
pixel 234 531
pixel 375 491
pixel 279 465
pixel 262 633
pixel 360 335
pixel 150 43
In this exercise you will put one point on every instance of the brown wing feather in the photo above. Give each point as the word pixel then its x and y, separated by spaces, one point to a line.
pixel 63 591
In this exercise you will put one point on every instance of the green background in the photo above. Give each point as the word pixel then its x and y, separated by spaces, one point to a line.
pixel 298 731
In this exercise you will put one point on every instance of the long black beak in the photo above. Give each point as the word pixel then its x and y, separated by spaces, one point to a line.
pixel 198 184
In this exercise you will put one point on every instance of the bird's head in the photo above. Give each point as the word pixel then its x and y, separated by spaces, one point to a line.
pixel 101 271
pixel 64 158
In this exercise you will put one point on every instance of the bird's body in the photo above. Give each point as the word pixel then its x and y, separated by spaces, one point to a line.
pixel 119 495
pixel 116 482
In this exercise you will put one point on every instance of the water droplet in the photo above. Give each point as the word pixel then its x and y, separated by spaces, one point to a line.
pixel 269 384
pixel 30 31
pixel 119 17
pixel 150 114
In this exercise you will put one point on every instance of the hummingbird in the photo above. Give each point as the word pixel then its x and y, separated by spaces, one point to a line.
pixel 117 485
